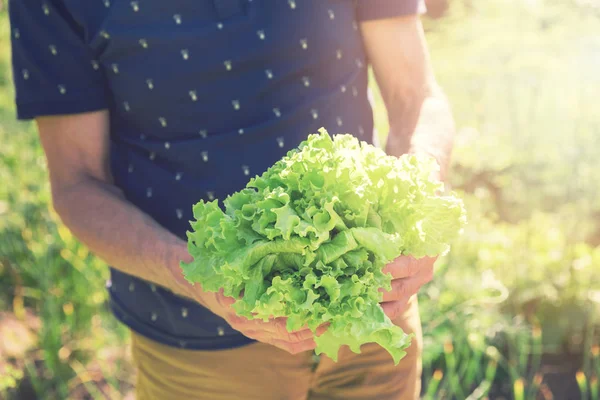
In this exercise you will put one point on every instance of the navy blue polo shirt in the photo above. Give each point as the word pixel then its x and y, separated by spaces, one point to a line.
pixel 202 94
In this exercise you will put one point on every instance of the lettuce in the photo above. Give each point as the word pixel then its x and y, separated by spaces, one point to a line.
pixel 308 239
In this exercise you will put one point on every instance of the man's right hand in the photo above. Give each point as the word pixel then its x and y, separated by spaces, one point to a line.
pixel 273 332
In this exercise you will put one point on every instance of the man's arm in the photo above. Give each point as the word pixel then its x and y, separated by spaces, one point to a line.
pixel 419 115
pixel 97 213
pixel 420 122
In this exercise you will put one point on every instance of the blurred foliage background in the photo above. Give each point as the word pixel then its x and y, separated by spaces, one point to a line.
pixel 514 310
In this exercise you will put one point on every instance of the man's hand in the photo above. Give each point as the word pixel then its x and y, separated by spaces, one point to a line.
pixel 420 123
pixel 273 332
pixel 408 275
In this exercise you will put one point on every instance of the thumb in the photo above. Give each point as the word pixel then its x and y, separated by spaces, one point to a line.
pixel 223 300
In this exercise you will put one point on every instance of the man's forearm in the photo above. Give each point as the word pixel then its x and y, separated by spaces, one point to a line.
pixel 120 234
pixel 423 127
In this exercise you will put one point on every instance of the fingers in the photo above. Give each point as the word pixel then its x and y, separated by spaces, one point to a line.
pixel 273 332
pixel 402 288
pixel 292 342
pixel 321 329
pixel 295 348
pixel 394 309
pixel 407 266
pixel 290 347
pixel 223 300
pixel 296 336
pixel 276 328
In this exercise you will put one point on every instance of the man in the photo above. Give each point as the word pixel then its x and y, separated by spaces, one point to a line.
pixel 145 107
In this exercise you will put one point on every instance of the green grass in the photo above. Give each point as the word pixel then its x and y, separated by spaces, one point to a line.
pixel 519 292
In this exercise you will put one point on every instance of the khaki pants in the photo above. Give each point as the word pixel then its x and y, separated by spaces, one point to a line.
pixel 263 372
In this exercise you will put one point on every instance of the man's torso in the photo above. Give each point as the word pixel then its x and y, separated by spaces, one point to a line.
pixel 204 95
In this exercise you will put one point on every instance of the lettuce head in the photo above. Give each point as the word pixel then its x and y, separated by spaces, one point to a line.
pixel 309 238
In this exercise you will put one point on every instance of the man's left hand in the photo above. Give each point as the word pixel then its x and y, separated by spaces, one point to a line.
pixel 408 275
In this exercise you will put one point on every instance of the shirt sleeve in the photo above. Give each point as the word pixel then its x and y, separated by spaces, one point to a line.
pixel 379 9
pixel 54 71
